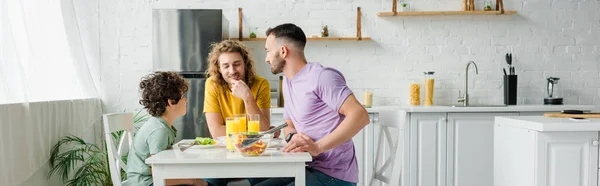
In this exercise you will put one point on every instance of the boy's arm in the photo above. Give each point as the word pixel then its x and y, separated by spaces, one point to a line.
pixel 157 141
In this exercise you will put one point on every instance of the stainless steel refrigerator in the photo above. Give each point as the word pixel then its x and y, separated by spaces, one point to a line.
pixel 180 42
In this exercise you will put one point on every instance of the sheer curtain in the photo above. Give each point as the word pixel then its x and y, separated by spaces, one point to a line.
pixel 46 88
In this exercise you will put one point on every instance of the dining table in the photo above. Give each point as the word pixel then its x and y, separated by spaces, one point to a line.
pixel 215 161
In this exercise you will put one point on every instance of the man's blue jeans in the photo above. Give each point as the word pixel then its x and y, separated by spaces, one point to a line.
pixel 313 178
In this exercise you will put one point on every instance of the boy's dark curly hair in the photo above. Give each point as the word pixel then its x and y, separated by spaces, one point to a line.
pixel 157 88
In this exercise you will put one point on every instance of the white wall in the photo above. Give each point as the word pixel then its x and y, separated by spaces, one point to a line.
pixel 547 37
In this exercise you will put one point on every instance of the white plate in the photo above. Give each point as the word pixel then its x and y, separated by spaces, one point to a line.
pixel 187 142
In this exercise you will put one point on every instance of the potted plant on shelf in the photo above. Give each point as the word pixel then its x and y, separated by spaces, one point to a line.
pixel 252 35
pixel 487 5
pixel 404 7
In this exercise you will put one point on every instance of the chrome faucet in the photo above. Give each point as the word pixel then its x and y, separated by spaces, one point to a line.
pixel 465 99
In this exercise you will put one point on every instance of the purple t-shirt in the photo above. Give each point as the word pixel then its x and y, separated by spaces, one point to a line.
pixel 313 98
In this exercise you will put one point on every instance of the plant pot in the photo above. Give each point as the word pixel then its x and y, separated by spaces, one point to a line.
pixel 404 8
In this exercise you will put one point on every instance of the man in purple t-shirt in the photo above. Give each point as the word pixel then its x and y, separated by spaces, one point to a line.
pixel 322 113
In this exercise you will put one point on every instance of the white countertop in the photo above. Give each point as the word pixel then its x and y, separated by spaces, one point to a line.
pixel 544 124
pixel 510 108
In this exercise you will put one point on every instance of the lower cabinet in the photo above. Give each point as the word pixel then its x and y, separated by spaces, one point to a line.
pixel 451 149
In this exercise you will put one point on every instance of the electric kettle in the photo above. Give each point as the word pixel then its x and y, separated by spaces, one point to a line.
pixel 553 92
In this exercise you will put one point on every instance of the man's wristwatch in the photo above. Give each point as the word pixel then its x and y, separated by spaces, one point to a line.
pixel 288 137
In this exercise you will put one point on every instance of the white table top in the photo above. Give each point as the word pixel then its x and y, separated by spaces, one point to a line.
pixel 541 123
pixel 219 154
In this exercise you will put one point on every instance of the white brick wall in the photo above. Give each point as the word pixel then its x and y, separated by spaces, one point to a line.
pixel 547 38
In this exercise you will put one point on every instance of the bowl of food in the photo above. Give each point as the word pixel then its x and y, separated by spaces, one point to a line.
pixel 250 144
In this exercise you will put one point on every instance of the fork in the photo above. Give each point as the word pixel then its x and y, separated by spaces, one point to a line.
pixel 184 148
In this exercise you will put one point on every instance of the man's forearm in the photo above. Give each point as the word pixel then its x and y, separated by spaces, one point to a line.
pixel 219 131
pixel 252 108
pixel 288 130
pixel 350 126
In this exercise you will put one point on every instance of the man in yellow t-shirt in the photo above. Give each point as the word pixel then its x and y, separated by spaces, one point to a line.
pixel 234 88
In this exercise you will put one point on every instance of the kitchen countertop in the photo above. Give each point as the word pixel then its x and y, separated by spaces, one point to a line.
pixel 541 123
pixel 510 108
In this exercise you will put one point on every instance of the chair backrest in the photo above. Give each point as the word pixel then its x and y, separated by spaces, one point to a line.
pixel 391 123
pixel 113 123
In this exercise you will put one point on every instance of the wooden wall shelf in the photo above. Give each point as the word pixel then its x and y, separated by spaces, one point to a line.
pixel 477 12
pixel 467 10
pixel 357 38
pixel 313 39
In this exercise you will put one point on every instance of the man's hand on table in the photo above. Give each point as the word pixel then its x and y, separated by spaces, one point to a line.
pixel 303 143
pixel 277 133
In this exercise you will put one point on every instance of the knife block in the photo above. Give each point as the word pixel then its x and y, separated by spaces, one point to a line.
pixel 510 89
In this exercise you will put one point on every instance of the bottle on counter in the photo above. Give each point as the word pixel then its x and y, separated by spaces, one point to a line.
pixel 415 93
pixel 429 82
pixel 368 98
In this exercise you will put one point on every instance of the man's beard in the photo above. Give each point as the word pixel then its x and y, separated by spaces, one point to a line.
pixel 278 66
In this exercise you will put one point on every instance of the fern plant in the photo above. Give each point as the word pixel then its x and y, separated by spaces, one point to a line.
pixel 80 163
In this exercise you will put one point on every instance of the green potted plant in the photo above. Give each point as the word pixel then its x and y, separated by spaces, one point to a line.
pixel 487 5
pixel 404 7
pixel 78 162
pixel 252 35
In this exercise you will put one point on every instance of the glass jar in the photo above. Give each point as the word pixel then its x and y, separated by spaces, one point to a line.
pixel 428 84
pixel 415 93
pixel 368 98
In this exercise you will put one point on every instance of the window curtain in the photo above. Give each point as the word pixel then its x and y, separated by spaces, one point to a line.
pixel 46 88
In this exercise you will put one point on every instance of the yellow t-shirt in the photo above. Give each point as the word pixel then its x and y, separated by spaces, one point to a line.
pixel 227 104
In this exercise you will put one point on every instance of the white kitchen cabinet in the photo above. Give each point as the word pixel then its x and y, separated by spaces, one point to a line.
pixel 539 151
pixel 451 149
pixel 470 143
pixel 427 157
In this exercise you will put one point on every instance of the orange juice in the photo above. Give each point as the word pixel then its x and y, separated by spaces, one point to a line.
pixel 253 126
pixel 231 126
pixel 242 125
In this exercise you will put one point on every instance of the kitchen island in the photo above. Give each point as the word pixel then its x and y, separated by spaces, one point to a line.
pixel 540 151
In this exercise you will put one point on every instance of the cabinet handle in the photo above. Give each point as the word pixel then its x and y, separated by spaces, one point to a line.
pixel 595 143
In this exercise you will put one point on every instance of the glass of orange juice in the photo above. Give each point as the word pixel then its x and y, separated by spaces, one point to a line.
pixel 231 126
pixel 253 123
pixel 242 119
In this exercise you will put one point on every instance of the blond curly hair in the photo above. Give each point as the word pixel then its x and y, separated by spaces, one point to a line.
pixel 226 47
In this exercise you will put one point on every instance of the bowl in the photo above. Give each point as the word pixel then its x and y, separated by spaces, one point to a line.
pixel 256 149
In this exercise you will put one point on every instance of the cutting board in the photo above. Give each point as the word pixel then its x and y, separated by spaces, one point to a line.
pixel 563 115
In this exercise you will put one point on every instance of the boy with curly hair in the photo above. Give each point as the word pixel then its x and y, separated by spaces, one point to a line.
pixel 163 96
